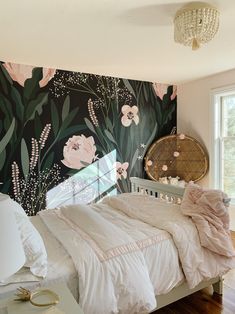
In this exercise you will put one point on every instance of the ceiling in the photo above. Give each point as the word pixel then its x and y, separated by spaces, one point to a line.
pixel 123 38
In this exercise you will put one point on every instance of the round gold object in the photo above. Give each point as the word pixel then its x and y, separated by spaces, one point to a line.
pixel 31 296
pixel 176 155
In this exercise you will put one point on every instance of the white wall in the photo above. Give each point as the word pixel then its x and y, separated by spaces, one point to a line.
pixel 194 109
pixel 193 114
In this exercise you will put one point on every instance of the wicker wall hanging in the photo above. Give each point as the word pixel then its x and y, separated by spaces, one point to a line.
pixel 176 155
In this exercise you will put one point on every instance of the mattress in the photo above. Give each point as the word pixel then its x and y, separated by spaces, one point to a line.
pixel 60 267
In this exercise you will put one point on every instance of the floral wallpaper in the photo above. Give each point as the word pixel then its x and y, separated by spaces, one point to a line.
pixel 56 123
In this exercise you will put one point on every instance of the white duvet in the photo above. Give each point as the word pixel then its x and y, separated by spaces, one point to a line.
pixel 110 244
pixel 113 275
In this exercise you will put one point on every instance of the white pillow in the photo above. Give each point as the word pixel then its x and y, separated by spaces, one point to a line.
pixel 34 248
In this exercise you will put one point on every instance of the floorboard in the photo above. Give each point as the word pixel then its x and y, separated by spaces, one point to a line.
pixel 204 301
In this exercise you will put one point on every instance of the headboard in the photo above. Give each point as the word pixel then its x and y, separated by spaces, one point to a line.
pixel 169 192
pixel 157 189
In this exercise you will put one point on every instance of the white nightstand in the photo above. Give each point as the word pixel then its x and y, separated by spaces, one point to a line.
pixel 67 303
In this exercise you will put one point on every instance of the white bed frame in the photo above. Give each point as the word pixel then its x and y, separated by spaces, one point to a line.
pixel 173 193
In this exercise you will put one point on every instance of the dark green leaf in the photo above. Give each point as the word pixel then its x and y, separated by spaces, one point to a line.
pixel 110 136
pixel 99 148
pixel 6 74
pixel 3 83
pixel 49 161
pixel 7 137
pixel 104 140
pixel 54 118
pixel 66 107
pixel 2 158
pixel 122 137
pixel 151 138
pixel 37 125
pixel 15 136
pixel 109 124
pixel 18 103
pixel 133 161
pixel 90 125
pixel 31 85
pixel 24 158
pixel 129 87
pixel 6 107
pixel 69 119
pixel 146 92
pixel 36 106
pixel 167 114
pixel 6 186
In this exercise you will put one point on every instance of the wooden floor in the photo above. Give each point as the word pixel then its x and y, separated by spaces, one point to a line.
pixel 204 302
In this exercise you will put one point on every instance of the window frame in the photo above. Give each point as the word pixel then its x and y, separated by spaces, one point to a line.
pixel 216 123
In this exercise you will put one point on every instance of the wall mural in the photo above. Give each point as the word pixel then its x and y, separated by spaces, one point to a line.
pixel 56 123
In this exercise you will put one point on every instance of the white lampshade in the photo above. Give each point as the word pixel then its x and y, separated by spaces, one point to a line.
pixel 12 256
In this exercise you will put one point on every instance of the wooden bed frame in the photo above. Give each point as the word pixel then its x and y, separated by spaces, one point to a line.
pixel 174 193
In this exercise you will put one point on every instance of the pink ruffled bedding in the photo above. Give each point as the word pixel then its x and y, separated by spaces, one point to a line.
pixel 210 215
pixel 198 262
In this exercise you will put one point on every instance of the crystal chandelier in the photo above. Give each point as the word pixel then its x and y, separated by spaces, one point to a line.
pixel 195 24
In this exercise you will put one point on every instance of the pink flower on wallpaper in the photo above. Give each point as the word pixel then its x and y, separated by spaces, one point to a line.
pixel 129 114
pixel 79 151
pixel 121 169
pixel 161 90
pixel 20 73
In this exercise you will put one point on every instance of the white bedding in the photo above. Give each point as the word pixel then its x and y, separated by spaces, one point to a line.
pixel 60 266
pixel 161 259
pixel 129 290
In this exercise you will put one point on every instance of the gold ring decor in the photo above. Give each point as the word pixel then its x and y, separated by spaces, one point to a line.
pixel 26 295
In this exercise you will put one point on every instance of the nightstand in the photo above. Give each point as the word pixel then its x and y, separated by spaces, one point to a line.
pixel 67 303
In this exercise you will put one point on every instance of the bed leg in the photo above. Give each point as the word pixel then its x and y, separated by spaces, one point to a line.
pixel 218 286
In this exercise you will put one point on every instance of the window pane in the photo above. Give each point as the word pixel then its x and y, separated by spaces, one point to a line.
pixel 228 187
pixel 228 166
pixel 228 115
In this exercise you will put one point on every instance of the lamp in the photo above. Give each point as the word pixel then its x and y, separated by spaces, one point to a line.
pixel 12 256
pixel 195 24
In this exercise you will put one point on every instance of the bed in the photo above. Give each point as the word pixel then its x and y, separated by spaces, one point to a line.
pixel 160 254
pixel 175 194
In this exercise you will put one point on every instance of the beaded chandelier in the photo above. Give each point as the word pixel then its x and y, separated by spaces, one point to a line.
pixel 195 24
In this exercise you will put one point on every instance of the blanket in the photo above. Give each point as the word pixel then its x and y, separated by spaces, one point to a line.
pixel 210 214
pixel 113 276
pixel 198 263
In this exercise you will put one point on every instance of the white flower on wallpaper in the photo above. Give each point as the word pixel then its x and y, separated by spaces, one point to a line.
pixel 121 169
pixel 20 73
pixel 129 114
pixel 79 151
pixel 161 90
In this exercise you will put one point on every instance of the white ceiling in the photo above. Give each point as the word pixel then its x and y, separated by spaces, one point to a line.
pixel 123 38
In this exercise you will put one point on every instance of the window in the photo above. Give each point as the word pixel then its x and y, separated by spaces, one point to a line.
pixel 223 161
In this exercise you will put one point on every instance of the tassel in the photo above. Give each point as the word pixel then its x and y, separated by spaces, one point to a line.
pixel 195 44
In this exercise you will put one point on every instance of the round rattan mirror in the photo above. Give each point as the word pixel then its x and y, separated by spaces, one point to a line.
pixel 176 155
